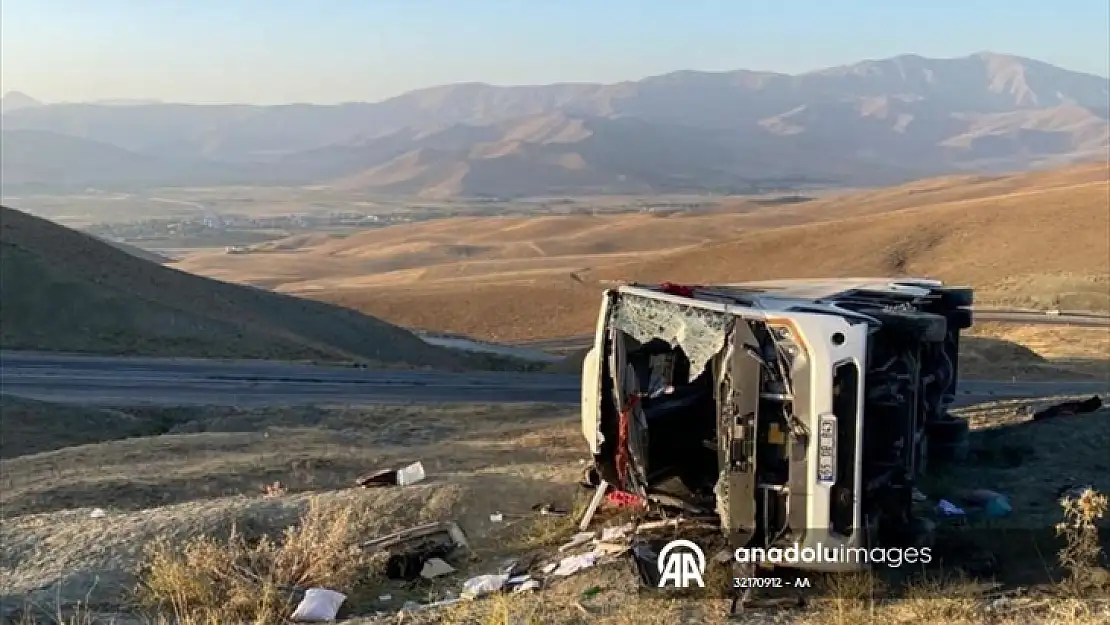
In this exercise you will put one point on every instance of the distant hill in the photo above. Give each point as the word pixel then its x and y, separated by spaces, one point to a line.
pixel 66 291
pixel 874 122
pixel 14 100
pixel 1028 240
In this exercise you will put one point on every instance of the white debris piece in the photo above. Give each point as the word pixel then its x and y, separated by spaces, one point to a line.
pixel 579 539
pixel 612 534
pixel 318 606
pixel 528 584
pixel 483 585
pixel 573 564
pixel 436 567
pixel 411 474
pixel 947 508
pixel 98 513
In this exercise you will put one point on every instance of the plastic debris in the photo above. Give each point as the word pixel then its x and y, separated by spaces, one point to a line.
pixel 496 517
pixel 572 564
pixel 918 496
pixel 483 585
pixel 98 513
pixel 622 499
pixel 411 474
pixel 949 509
pixel 318 605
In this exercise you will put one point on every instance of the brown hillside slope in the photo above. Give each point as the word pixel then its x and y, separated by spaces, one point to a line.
pixel 1033 239
pixel 66 291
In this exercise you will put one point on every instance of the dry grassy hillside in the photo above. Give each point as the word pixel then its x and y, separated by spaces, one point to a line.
pixel 1038 239
pixel 65 291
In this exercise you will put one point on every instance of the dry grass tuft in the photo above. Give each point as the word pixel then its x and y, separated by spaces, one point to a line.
pixel 1081 555
pixel 207 580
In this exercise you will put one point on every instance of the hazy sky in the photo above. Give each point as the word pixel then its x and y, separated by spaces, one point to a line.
pixel 271 51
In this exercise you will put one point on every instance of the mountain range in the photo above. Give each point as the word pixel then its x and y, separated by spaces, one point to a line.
pixel 873 122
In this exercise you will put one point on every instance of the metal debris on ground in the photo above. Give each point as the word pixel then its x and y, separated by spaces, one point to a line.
pixel 409 474
pixel 447 532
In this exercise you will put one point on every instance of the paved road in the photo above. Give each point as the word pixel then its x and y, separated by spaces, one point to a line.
pixel 1023 317
pixel 130 381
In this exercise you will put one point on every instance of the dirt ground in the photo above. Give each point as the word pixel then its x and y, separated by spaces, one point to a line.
pixel 1035 352
pixel 481 460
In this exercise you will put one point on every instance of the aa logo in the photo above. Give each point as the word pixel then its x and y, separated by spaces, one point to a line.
pixel 680 563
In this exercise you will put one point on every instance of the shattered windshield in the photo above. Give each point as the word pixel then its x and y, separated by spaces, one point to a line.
pixel 700 333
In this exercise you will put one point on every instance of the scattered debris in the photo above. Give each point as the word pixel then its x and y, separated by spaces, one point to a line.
pixel 385 598
pixel 277 489
pixel 98 513
pixel 610 534
pixel 409 474
pixel 514 567
pixel 446 532
pixel 949 509
pixel 622 499
pixel 572 564
pixel 483 585
pixel 599 494
pixel 318 605
pixel 548 509
pixel 1069 408
pixel 497 517
pixel 527 585
pixel 645 559
pixel 436 567
pixel 674 502
pixel 579 539
pixel 385 477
